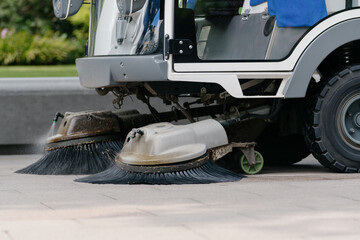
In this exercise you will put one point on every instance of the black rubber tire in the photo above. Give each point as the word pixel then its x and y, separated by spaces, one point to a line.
pixel 282 150
pixel 324 136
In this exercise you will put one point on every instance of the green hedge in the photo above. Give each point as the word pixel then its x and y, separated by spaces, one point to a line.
pixel 30 33
pixel 25 48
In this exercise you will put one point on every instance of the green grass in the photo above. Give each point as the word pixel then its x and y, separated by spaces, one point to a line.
pixel 38 71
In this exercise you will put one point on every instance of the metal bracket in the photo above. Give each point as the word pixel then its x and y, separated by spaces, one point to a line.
pixel 245 15
pixel 177 47
pixel 136 131
pixel 181 46
pixel 247 149
pixel 265 15
pixel 249 154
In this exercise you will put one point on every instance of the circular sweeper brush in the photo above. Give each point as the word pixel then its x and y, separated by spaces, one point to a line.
pixel 85 143
pixel 200 170
pixel 166 154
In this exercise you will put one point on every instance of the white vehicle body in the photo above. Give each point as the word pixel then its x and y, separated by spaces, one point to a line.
pixel 243 58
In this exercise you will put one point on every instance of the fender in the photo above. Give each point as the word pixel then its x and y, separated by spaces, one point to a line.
pixel 317 51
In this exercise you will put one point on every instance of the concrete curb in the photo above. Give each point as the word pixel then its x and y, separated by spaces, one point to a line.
pixel 28 105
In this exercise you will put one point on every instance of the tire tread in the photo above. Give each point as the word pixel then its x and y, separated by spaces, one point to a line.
pixel 313 134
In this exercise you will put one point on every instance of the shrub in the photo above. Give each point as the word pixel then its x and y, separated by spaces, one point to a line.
pixel 35 16
pixel 52 48
pixel 37 37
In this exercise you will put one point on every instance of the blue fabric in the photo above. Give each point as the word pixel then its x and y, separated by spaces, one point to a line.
pixel 156 19
pixel 271 7
pixel 298 13
pixel 256 2
pixel 152 12
pixel 191 4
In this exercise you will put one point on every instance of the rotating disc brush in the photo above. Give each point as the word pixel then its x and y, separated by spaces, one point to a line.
pixel 197 171
pixel 85 143
pixel 166 154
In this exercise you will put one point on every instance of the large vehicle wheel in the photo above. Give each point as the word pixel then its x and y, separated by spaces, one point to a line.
pixel 333 127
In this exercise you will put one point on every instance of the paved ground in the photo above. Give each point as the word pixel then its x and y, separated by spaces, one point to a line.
pixel 302 202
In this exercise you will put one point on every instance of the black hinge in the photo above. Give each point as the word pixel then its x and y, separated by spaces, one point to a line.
pixel 178 47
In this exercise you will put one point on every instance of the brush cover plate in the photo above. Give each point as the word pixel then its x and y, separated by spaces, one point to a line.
pixel 86 124
pixel 165 143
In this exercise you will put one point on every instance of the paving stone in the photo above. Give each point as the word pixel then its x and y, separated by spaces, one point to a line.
pixel 304 201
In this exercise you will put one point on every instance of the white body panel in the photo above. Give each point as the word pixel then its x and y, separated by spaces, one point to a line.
pixel 105 43
pixel 164 143
pixel 106 30
pixel 227 74
pixel 337 5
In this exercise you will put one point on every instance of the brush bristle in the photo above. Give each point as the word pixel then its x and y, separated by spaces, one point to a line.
pixel 206 173
pixel 78 159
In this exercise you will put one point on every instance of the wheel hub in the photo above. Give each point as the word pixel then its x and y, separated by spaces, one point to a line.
pixel 356 120
pixel 350 121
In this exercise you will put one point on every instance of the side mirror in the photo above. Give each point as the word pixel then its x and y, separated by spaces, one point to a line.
pixel 66 8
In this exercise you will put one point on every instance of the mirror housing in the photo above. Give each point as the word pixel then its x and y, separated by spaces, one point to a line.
pixel 66 8
pixel 124 6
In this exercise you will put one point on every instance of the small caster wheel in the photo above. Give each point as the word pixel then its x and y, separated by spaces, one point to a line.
pixel 250 169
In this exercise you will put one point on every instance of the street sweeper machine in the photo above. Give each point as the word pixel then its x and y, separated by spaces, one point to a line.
pixel 272 81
